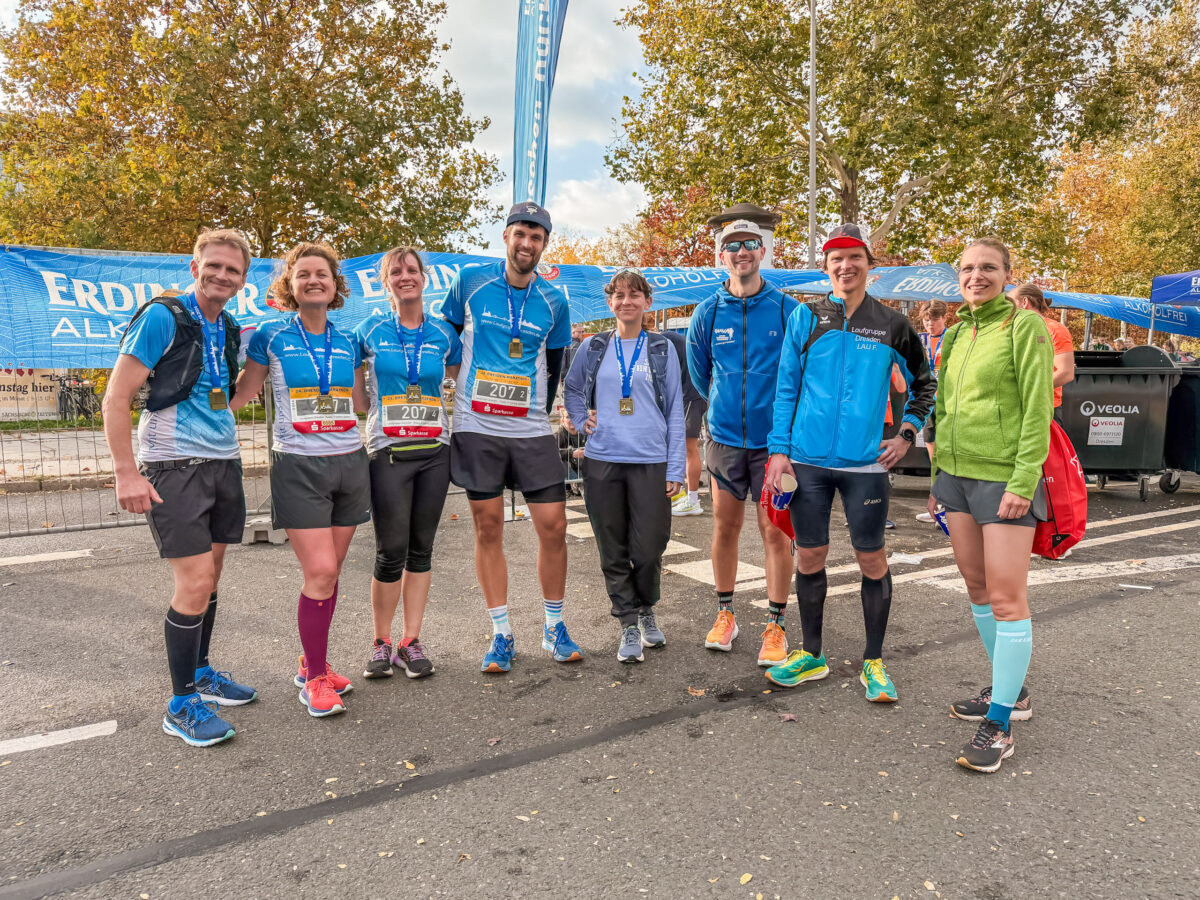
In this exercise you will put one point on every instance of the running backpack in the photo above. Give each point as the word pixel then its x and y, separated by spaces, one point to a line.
pixel 1066 498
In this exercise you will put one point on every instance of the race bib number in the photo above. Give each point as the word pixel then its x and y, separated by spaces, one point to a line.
pixel 497 394
pixel 404 418
pixel 307 419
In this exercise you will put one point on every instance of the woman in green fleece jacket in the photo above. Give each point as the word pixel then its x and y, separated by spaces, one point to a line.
pixel 994 404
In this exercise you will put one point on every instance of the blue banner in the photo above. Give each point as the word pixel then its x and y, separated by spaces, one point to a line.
pixel 1182 288
pixel 1134 310
pixel 539 31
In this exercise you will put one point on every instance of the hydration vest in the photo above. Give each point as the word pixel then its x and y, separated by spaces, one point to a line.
pixel 176 373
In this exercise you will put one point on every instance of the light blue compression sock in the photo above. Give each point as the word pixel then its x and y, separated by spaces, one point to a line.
pixel 500 624
pixel 985 622
pixel 1010 663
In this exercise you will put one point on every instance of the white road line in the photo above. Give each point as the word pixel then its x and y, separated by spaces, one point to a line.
pixel 1060 574
pixel 54 738
pixel 701 570
pixel 44 557
pixel 573 514
pixel 580 529
pixel 674 548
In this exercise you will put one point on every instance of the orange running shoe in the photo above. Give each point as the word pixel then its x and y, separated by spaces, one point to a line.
pixel 340 683
pixel 320 697
pixel 774 646
pixel 723 632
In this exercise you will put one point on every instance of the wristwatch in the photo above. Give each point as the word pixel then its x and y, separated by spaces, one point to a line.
pixel 908 435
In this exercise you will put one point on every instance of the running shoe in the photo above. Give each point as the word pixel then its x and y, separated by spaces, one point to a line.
pixel 990 746
pixel 774 646
pixel 889 525
pixel 874 678
pixel 380 663
pixel 412 659
pixel 801 666
pixel 218 687
pixel 630 650
pixel 500 657
pixel 975 709
pixel 321 698
pixel 723 632
pixel 687 507
pixel 679 496
pixel 340 683
pixel 558 644
pixel 197 723
pixel 652 635
pixel 925 517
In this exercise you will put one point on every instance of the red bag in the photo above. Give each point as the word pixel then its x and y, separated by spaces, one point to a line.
pixel 1066 498
pixel 780 518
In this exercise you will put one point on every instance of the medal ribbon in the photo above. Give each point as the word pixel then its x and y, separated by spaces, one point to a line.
pixel 213 349
pixel 414 361
pixel 324 373
pixel 514 314
pixel 627 375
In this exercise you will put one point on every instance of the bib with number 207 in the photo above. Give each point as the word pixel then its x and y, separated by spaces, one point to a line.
pixel 404 418
pixel 497 394
pixel 307 420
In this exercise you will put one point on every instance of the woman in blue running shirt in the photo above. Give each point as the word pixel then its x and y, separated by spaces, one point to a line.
pixel 320 490
pixel 407 355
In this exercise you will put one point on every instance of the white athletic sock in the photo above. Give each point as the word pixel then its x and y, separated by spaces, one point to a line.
pixel 500 624
pixel 693 496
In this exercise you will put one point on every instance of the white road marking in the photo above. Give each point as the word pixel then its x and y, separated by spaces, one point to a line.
pixel 674 548
pixel 573 514
pixel 701 570
pixel 54 738
pixel 44 557
pixel 580 529
pixel 1059 574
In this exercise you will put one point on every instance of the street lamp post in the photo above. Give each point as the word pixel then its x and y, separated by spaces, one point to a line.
pixel 812 134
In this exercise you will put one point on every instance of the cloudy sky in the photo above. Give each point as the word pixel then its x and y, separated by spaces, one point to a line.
pixel 595 69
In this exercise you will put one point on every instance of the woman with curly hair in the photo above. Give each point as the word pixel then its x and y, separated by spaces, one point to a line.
pixel 320 488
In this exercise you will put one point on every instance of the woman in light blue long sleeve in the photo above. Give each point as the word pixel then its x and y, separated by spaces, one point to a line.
pixel 624 390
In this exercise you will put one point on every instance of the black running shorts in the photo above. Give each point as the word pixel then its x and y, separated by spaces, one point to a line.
pixel 487 465
pixel 864 500
pixel 737 470
pixel 203 504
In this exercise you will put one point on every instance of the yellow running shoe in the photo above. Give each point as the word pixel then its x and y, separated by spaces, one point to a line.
pixel 774 646
pixel 723 632
pixel 874 678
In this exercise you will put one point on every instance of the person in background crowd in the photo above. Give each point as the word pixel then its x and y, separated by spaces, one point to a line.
pixel 687 501
pixel 320 486
pixel 733 355
pixel 994 407
pixel 577 333
pixel 514 327
pixel 834 381
pixel 188 475
pixel 1030 296
pixel 625 391
pixel 407 355
pixel 933 317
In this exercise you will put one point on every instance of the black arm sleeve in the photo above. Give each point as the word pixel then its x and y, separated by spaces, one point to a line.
pixel 922 386
pixel 554 362
pixel 458 328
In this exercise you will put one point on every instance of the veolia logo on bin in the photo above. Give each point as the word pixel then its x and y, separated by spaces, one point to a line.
pixel 1088 408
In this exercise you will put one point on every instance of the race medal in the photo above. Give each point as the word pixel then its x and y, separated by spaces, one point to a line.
pixel 515 350
pixel 325 405
pixel 217 399
pixel 414 393
pixel 625 405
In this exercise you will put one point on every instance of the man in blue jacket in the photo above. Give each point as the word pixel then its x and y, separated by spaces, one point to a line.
pixel 734 342
pixel 830 404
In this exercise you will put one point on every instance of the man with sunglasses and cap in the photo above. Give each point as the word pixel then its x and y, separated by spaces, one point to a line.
pixel 834 386
pixel 734 342
pixel 515 326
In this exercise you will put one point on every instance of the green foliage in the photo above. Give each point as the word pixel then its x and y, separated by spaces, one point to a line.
pixel 134 123
pixel 930 111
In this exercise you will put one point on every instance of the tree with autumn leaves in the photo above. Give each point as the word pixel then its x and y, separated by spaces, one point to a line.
pixel 135 123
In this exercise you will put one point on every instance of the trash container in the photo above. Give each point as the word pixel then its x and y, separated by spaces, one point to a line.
pixel 916 460
pixel 1115 411
pixel 1183 422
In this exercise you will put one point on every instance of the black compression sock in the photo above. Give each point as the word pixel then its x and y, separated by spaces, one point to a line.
pixel 206 627
pixel 810 600
pixel 183 649
pixel 876 604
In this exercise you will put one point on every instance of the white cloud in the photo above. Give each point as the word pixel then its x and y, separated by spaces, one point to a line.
pixel 592 205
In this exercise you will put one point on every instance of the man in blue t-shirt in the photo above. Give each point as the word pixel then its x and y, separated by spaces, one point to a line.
pixel 514 327
pixel 187 478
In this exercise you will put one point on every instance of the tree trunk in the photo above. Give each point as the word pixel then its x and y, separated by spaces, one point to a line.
pixel 848 195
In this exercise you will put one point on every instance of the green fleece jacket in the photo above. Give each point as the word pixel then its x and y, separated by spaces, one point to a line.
pixel 995 397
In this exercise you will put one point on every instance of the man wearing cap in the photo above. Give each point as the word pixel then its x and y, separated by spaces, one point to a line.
pixel 733 355
pixel 514 327
pixel 827 429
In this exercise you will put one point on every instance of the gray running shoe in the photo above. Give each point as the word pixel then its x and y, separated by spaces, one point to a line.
pixel 652 635
pixel 380 663
pixel 630 650
pixel 411 657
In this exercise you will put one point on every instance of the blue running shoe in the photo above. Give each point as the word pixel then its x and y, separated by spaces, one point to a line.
pixel 558 644
pixel 500 657
pixel 197 723
pixel 218 687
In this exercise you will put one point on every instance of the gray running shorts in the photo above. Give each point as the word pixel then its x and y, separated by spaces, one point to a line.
pixel 320 491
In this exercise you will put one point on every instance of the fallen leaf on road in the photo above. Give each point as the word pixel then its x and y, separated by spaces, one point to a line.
pixel 714 880
pixel 896 816
pixel 330 780
pixel 960 834
pixel 787 717
pixel 408 765
pixel 341 865
pixel 745 879
pixel 453 516
pixel 930 886
pixel 492 742
pixel 697 692
pixel 523 818
pixel 420 840
pixel 463 856
pixel 884 774
pixel 954 817
pixel 261 812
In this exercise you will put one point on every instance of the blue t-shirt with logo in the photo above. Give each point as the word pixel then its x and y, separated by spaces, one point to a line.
pixel 300 425
pixel 498 394
pixel 394 418
pixel 191 429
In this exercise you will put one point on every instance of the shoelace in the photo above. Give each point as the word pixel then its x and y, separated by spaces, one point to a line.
pixel 632 635
pixel 773 636
pixel 381 652
pixel 875 672
pixel 196 712
pixel 986 734
pixel 415 650
pixel 321 685
pixel 648 622
pixel 560 635
pixel 220 679
pixel 985 696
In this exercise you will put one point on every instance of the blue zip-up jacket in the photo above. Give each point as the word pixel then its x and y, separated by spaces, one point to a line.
pixel 733 357
pixel 834 379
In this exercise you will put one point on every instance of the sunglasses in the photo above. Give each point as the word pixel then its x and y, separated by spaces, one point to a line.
pixel 735 246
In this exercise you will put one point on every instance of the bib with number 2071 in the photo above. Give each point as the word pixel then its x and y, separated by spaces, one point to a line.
pixel 308 420
pixel 404 418
pixel 497 394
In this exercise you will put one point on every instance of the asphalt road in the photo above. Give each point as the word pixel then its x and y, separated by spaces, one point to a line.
pixel 674 778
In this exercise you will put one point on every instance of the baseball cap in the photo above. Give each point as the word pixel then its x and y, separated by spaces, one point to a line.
pixel 740 226
pixel 846 235
pixel 529 212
